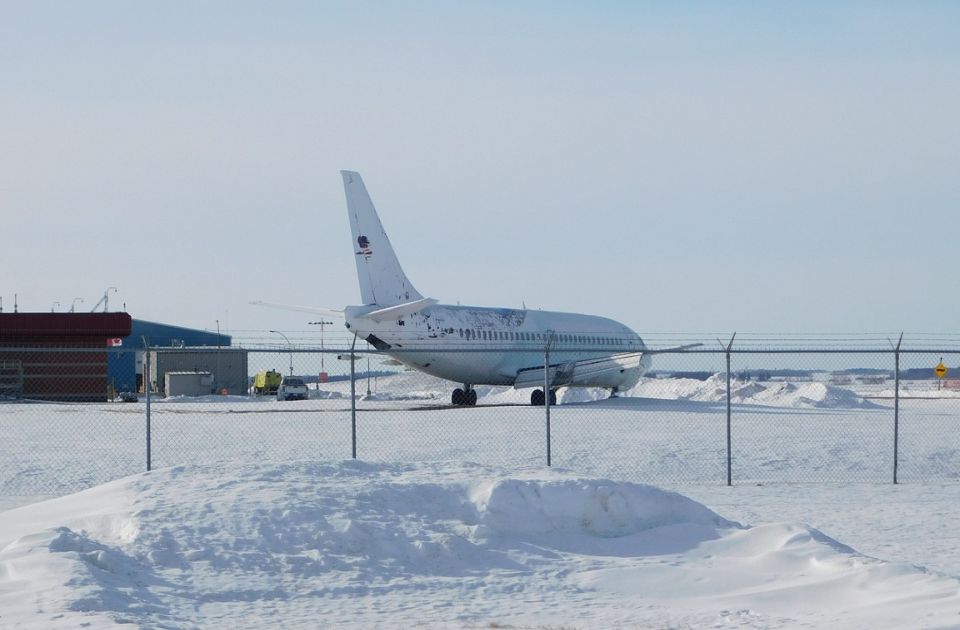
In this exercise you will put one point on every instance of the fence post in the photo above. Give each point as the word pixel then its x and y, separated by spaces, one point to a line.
pixel 353 396
pixel 896 409
pixel 729 417
pixel 146 388
pixel 546 392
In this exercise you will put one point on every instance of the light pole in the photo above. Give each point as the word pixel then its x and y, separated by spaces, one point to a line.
pixel 54 307
pixel 290 347
pixel 74 305
pixel 321 323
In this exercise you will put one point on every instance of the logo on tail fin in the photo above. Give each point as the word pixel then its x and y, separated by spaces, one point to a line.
pixel 364 244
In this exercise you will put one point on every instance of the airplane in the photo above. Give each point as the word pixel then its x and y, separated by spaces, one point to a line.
pixel 476 345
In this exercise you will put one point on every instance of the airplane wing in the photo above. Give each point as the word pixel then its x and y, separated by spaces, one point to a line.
pixel 578 372
pixel 329 312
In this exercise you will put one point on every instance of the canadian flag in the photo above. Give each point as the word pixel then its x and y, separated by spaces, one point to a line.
pixel 116 341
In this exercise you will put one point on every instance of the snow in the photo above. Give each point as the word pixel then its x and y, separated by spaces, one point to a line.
pixel 417 386
pixel 407 386
pixel 255 519
pixel 773 393
pixel 358 544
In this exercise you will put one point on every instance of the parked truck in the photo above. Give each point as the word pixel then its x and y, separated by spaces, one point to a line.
pixel 266 382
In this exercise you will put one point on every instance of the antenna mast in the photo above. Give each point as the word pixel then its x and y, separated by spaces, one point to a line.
pixel 104 300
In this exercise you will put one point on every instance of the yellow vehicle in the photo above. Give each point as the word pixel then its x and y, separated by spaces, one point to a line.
pixel 266 382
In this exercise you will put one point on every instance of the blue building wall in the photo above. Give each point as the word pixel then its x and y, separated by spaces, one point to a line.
pixel 159 335
pixel 122 361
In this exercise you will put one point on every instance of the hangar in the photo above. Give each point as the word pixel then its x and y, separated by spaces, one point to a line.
pixel 91 357
pixel 58 356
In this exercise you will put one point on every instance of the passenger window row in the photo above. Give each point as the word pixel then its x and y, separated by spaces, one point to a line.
pixel 500 335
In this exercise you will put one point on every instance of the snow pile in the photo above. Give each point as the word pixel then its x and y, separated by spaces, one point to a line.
pixel 770 393
pixel 538 507
pixel 407 385
pixel 816 395
pixel 355 544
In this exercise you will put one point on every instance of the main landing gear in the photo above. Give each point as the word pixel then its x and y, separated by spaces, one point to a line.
pixel 537 399
pixel 466 397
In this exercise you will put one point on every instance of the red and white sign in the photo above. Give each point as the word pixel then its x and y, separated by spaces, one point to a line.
pixel 116 341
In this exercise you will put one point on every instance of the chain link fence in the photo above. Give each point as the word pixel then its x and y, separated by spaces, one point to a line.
pixel 786 411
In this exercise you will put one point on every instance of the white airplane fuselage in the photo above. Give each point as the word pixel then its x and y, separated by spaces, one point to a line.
pixel 489 346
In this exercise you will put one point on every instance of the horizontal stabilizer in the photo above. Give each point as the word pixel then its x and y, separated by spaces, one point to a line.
pixel 394 312
pixel 329 312
pixel 578 372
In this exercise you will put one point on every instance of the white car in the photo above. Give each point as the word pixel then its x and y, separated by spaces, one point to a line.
pixel 292 388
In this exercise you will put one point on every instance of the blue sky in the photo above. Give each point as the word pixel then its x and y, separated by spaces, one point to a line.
pixel 680 167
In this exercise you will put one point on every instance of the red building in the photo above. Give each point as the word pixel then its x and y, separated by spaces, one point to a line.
pixel 57 356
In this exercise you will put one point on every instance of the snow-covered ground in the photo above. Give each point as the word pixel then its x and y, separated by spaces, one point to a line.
pixel 253 518
pixel 665 431
pixel 358 544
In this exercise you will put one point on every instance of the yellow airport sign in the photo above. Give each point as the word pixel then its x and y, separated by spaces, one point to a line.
pixel 940 370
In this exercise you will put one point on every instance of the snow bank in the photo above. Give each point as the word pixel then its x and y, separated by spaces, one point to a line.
pixel 539 507
pixel 770 393
pixel 358 544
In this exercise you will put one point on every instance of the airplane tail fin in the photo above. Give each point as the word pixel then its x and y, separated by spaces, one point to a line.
pixel 381 277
